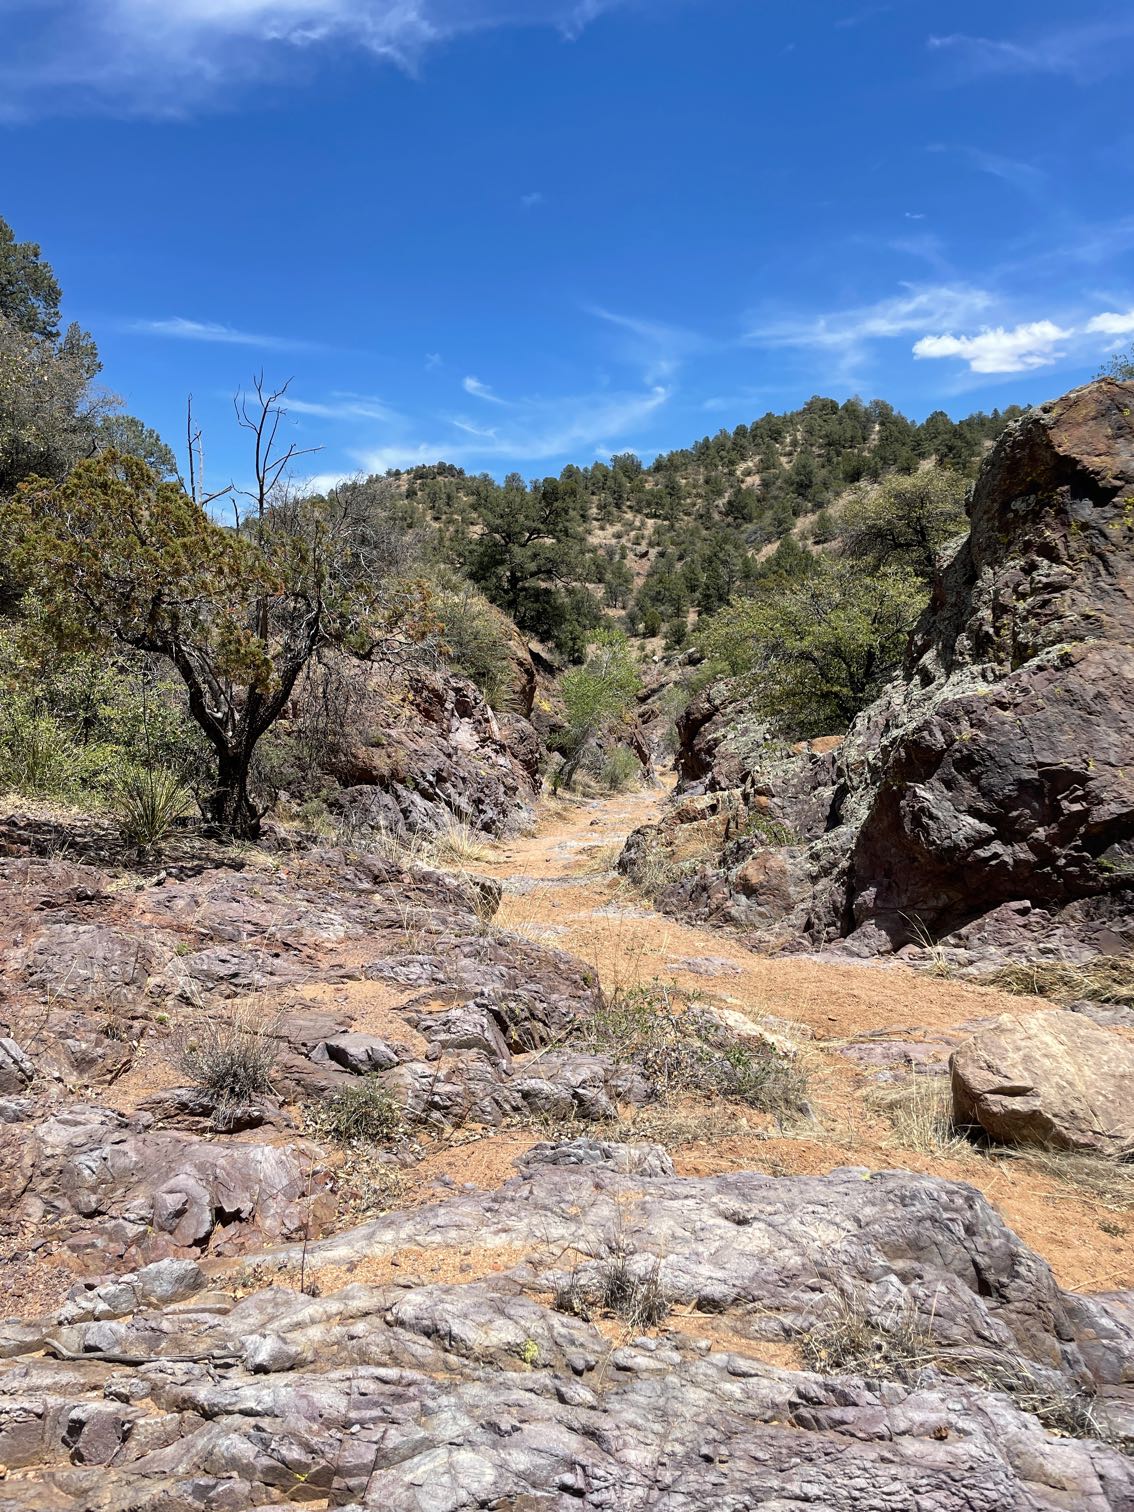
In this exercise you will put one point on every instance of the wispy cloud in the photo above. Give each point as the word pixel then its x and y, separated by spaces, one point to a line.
pixel 180 329
pixel 530 201
pixel 343 407
pixel 432 361
pixel 168 57
pixel 850 331
pixel 535 429
pixel 1082 53
pixel 480 390
pixel 657 346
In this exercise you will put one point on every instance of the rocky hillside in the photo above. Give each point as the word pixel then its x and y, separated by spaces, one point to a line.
pixel 986 800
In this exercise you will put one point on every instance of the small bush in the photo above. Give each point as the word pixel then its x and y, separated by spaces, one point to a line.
pixel 619 770
pixel 149 802
pixel 230 1059
pixel 684 1049
pixel 363 1113
pixel 476 640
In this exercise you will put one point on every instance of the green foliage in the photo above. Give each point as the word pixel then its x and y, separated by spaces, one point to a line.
pixel 72 722
pixel 599 698
pixel 905 520
pixel 619 769
pixel 1120 366
pixel 127 435
pixel 49 414
pixel 117 557
pixel 475 636
pixel 150 800
pixel 812 654
pixel 29 294
pixel 684 1049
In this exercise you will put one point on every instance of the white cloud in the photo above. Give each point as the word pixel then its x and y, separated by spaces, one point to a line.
pixel 432 360
pixel 1111 323
pixel 166 57
pixel 1000 350
pixel 529 201
pixel 660 348
pixel 480 390
pixel 181 329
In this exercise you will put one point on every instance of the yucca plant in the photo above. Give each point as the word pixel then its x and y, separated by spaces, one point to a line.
pixel 149 800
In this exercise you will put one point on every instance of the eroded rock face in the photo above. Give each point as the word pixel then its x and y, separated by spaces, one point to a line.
pixel 422 747
pixel 995 773
pixel 1050 1079
pixel 175 1390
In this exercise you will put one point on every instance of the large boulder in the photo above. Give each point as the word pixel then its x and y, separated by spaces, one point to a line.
pixel 995 770
pixel 1051 1079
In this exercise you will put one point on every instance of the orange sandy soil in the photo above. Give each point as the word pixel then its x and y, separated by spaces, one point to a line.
pixel 816 1005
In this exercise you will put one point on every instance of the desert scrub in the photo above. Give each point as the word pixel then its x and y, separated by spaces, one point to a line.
pixel 361 1113
pixel 682 1048
pixel 229 1059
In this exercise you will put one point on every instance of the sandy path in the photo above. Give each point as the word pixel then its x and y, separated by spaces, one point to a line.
pixel 560 887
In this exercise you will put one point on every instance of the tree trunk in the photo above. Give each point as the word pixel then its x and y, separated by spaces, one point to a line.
pixel 229 806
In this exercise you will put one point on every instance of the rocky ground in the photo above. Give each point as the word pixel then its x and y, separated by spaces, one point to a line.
pixel 581 1269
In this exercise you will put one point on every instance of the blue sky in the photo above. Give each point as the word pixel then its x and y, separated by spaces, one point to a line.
pixel 514 234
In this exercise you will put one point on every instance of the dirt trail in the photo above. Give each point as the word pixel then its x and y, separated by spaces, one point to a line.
pixel 854 1025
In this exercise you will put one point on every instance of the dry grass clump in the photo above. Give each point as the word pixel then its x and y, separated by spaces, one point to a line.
pixel 681 1048
pixel 920 1112
pixel 899 1344
pixel 1102 1180
pixel 361 1113
pixel 850 1339
pixel 1106 979
pixel 456 843
pixel 622 1286
pixel 230 1059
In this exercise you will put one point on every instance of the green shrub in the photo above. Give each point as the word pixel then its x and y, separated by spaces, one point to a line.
pixel 599 697
pixel 619 769
pixel 812 654
pixel 476 638
pixel 150 801
pixel 684 1049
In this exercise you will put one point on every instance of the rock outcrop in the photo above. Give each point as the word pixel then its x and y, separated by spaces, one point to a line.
pixel 1051 1079
pixel 422 748
pixel 992 781
pixel 101 973
pixel 973 1384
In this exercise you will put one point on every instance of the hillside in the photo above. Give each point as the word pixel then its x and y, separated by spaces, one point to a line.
pixel 652 547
